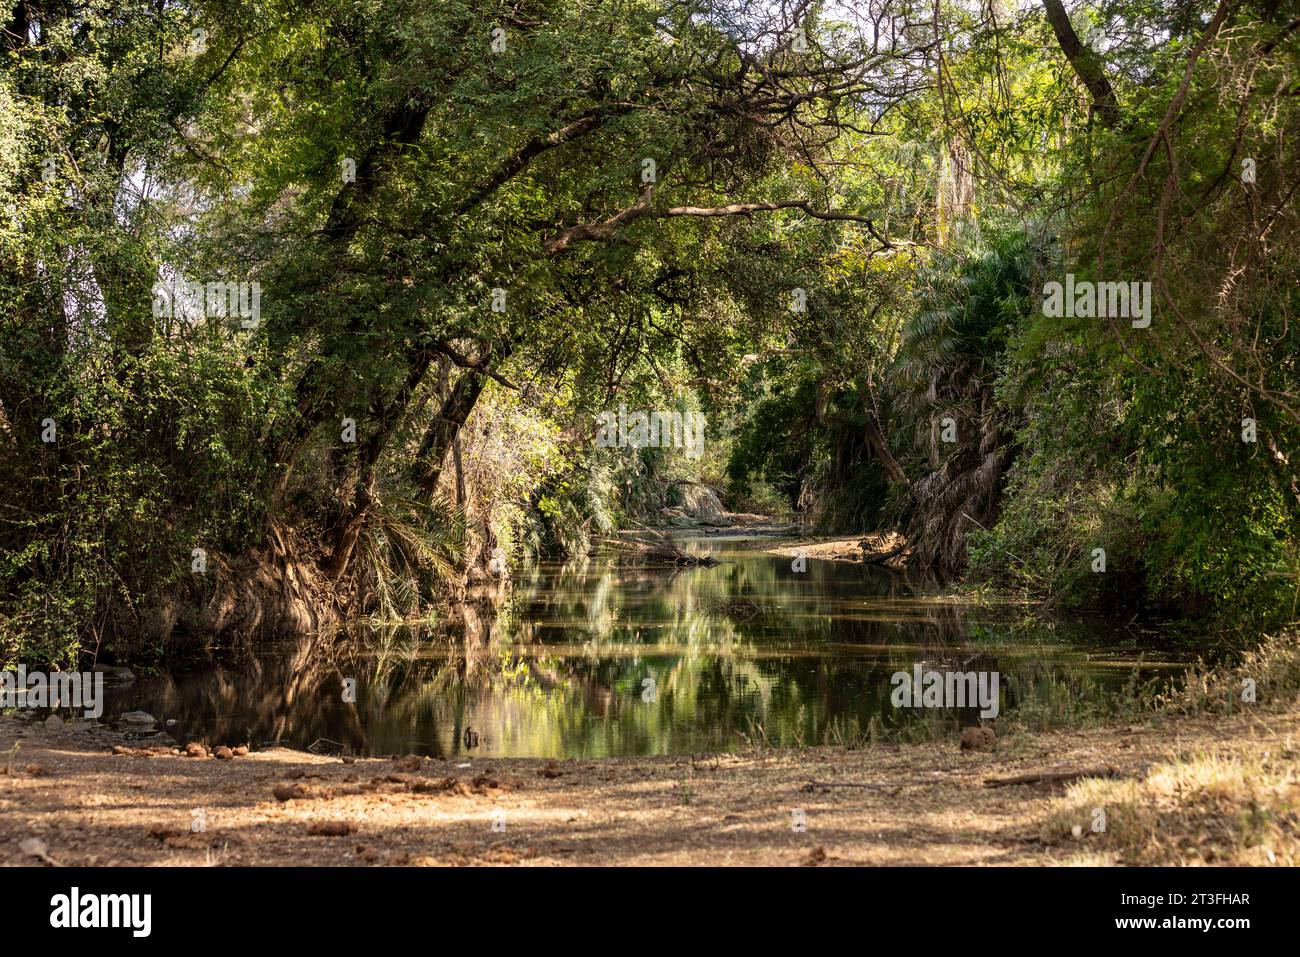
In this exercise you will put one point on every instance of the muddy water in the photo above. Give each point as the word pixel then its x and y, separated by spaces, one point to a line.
pixel 595 657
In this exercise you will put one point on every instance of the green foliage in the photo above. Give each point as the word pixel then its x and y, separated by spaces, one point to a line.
pixel 412 551
pixel 911 202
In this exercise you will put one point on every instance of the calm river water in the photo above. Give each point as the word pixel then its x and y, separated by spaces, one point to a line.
pixel 595 657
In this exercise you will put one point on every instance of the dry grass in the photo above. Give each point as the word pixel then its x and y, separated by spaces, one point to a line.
pixel 1268 673
pixel 1232 799
pixel 1203 808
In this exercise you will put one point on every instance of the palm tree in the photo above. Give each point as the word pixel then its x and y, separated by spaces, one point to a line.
pixel 945 372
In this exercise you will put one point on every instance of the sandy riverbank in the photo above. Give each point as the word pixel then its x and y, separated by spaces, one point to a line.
pixel 843 548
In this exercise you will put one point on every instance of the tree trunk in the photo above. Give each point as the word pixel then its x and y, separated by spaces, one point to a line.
pixel 1086 64
pixel 444 428
pixel 880 449
pixel 460 472
pixel 16 27
pixel 346 528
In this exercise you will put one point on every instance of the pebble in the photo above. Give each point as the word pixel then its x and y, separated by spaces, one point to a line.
pixel 35 847
pixel 287 792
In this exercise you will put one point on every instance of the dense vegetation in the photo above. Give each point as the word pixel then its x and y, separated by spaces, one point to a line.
pixel 474 226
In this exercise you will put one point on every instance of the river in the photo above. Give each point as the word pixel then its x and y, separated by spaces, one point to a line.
pixel 601 657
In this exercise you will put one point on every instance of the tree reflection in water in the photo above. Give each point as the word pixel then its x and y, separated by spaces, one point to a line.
pixel 556 664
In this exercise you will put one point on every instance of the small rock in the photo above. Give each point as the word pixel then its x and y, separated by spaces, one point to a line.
pixel 36 770
pixel 170 722
pixel 195 750
pixel 331 828
pixel 35 847
pixel 816 856
pixel 54 723
pixel 977 739
pixel 287 792
pixel 143 718
pixel 223 753
pixel 240 752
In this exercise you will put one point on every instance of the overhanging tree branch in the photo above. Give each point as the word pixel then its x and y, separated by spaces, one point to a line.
pixel 465 362
pixel 1086 64
pixel 644 208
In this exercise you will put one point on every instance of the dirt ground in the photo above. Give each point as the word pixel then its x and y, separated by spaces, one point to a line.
pixel 67 799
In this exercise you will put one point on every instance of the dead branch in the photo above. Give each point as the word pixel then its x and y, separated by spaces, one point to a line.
pixel 1051 777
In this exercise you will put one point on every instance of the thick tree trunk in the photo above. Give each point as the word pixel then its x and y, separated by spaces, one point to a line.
pixel 347 530
pixel 1086 63
pixel 460 472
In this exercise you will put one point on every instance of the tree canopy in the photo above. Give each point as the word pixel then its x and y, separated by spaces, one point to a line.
pixel 310 306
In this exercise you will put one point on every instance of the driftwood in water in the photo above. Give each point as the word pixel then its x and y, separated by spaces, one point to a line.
pixel 656 546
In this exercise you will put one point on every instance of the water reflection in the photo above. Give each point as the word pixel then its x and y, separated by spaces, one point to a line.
pixel 595 657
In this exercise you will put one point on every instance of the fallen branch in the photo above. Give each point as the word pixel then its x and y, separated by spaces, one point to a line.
pixel 813 785
pixel 1051 777
pixel 337 746
pixel 659 547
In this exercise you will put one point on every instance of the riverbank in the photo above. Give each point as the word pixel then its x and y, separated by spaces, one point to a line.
pixel 1209 789
pixel 887 548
